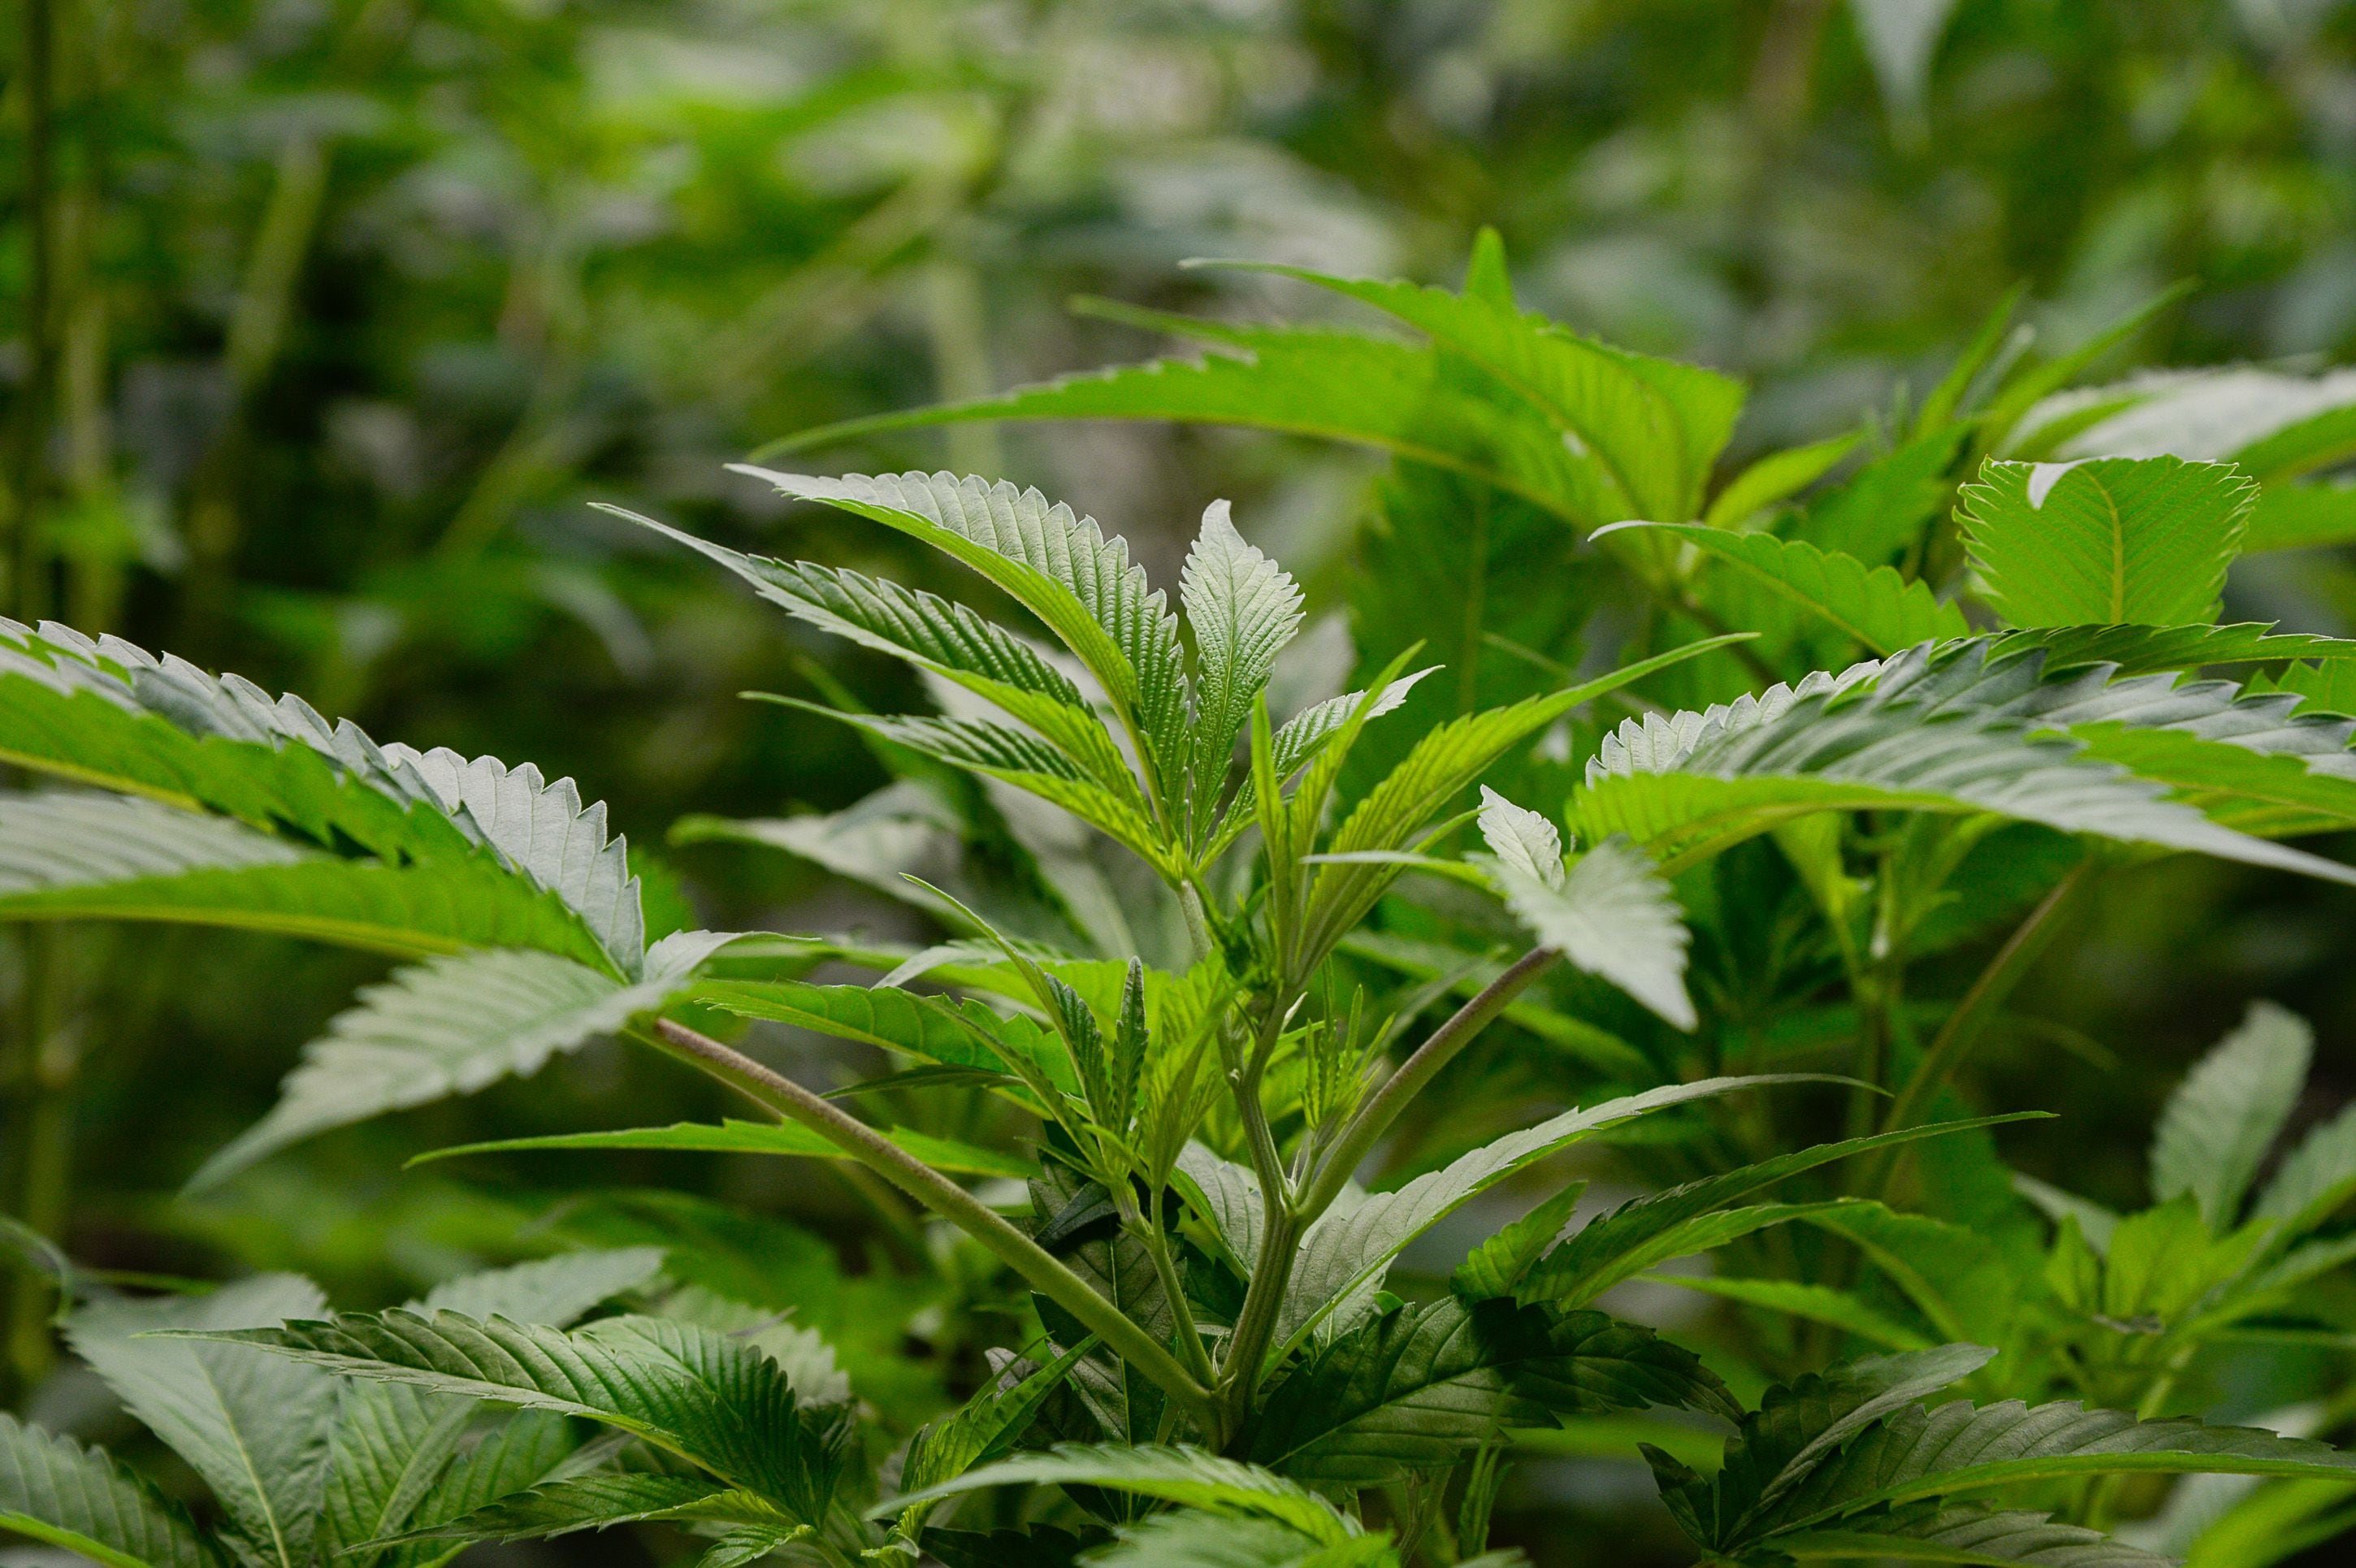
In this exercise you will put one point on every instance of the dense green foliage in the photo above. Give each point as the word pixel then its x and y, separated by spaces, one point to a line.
pixel 1662 943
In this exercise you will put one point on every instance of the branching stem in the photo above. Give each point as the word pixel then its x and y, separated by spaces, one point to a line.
pixel 791 1102
pixel 1374 1118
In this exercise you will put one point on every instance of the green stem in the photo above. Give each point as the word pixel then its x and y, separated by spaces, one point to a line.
pixel 1373 1119
pixel 1165 1270
pixel 1973 1015
pixel 791 1102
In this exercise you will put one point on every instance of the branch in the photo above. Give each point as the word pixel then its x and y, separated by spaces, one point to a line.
pixel 1373 1119
pixel 1974 1012
pixel 791 1100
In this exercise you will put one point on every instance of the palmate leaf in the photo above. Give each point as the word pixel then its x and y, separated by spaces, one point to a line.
pixel 1524 841
pixel 1184 1539
pixel 453 1026
pixel 1440 766
pixel 255 1430
pixel 2108 541
pixel 1058 565
pixel 390 1445
pixel 2141 649
pixel 1400 398
pixel 1812 1303
pixel 1966 1533
pixel 110 713
pixel 603 1501
pixel 1945 730
pixel 1344 1256
pixel 1957 1278
pixel 709 1397
pixel 1612 915
pixel 58 1492
pixel 1018 757
pixel 787 1139
pixel 530 1448
pixel 1872 606
pixel 2275 426
pixel 1649 1231
pixel 2227 1113
pixel 1173 1473
pixel 2316 1177
pixel 1654 427
pixel 1418 1387
pixel 1242 609
pixel 91 856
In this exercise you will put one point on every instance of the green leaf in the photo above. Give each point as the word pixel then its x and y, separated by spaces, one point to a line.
pixel 1774 479
pixel 1949 729
pixel 255 1430
pixel 1184 1539
pixel 1418 1387
pixel 1796 1428
pixel 1057 564
pixel 2316 1177
pixel 601 1501
pixel 1797 1298
pixel 2108 541
pixel 1967 1533
pixel 711 1398
pixel 1242 608
pixel 2141 649
pixel 1612 915
pixel 1957 1278
pixel 1495 1266
pixel 451 1027
pixel 1654 427
pixel 1397 397
pixel 1344 1256
pixel 787 1139
pixel 76 1499
pixel 953 1033
pixel 1870 605
pixel 1916 1453
pixel 984 1427
pixel 390 1445
pixel 1649 1231
pixel 1173 1473
pixel 2228 1112
pixel 529 1447
pixel 74 856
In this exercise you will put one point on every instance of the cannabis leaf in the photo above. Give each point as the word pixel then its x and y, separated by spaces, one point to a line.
pixel 2228 1112
pixel 2105 542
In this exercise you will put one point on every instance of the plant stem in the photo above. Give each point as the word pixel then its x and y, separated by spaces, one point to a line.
pixel 1373 1119
pixel 791 1102
pixel 1165 1270
pixel 1974 1013
pixel 1280 1229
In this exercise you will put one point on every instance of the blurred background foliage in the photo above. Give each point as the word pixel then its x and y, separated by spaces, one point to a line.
pixel 321 320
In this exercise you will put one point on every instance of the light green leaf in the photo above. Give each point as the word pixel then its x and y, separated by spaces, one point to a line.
pixel 1495 1266
pixel 1813 1303
pixel 1672 1223
pixel 1776 478
pixel 255 1430
pixel 1523 842
pixel 1242 608
pixel 1058 565
pixel 2228 1112
pixel 1958 1279
pixel 453 1027
pixel 936 1029
pixel 1186 1539
pixel 1871 605
pixel 1173 1473
pixel 787 1139
pixel 2108 541
pixel 76 1499
pixel 531 1447
pixel 91 856
pixel 2315 1178
pixel 1343 1256
pixel 2141 649
pixel 1612 915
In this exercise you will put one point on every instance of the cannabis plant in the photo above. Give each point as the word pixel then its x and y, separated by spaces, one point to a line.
pixel 1221 946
